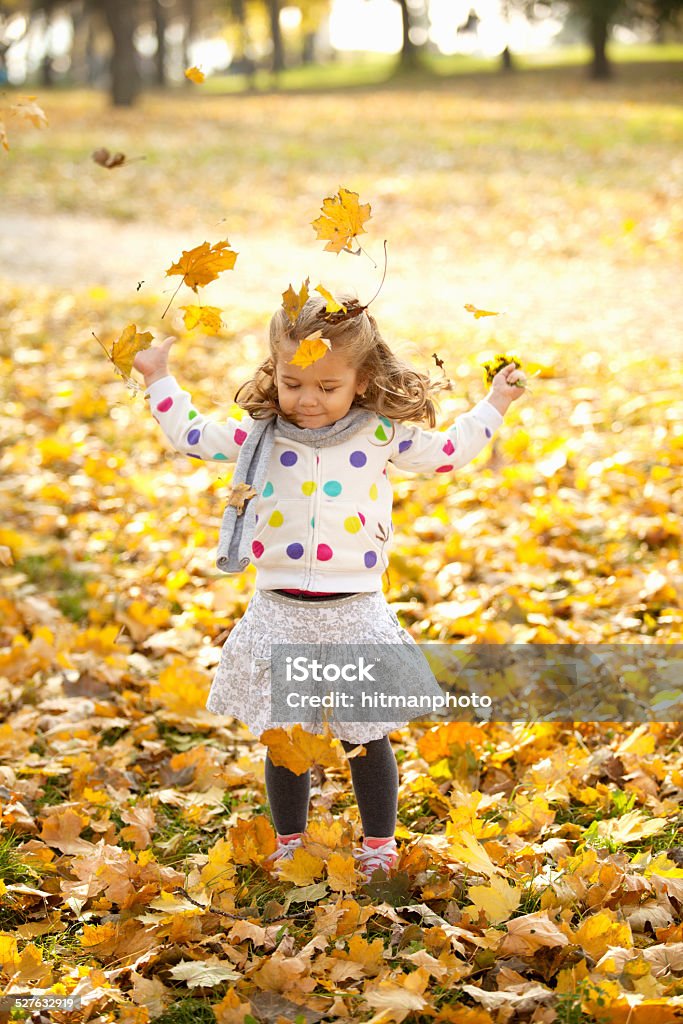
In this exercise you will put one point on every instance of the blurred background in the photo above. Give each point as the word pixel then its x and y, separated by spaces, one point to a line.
pixel 129 43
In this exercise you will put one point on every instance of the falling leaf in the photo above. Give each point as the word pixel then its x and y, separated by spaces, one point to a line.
pixel 104 158
pixel 341 220
pixel 6 555
pixel 332 305
pixel 195 75
pixel 27 108
pixel 240 494
pixel 203 264
pixel 208 317
pixel 126 347
pixel 310 350
pixel 479 313
pixel 293 302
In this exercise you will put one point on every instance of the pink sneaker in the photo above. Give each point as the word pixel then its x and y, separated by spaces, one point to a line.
pixel 370 858
pixel 285 851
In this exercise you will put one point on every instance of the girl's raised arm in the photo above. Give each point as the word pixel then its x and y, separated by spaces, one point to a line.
pixel 443 451
pixel 422 451
pixel 187 430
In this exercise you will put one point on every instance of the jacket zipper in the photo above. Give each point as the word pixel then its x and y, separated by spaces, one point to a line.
pixel 316 519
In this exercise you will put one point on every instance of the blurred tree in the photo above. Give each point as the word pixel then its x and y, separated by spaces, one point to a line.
pixel 413 18
pixel 599 18
pixel 159 11
pixel 278 61
pixel 122 19
pixel 190 22
pixel 12 30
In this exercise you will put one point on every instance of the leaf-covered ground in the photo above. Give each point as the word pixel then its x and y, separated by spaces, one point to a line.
pixel 539 878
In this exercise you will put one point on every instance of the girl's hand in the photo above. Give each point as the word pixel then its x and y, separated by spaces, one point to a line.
pixel 152 362
pixel 504 388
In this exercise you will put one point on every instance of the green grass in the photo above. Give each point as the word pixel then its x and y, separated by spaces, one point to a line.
pixel 354 71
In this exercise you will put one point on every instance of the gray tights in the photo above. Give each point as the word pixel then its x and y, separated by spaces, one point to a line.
pixel 375 783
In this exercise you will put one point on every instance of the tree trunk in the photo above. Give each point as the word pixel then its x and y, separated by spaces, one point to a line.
pixel 190 11
pixel 160 56
pixel 125 73
pixel 90 52
pixel 506 63
pixel 600 69
pixel 47 78
pixel 408 61
pixel 276 36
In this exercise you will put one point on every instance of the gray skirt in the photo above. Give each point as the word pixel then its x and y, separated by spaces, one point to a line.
pixel 241 684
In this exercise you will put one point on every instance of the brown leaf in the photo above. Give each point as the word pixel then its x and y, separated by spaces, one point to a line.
pixel 240 494
pixel 104 158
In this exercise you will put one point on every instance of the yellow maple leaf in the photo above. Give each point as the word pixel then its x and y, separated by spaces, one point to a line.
pixel 208 317
pixel 369 954
pixel 300 749
pixel 219 871
pixel 180 687
pixel 332 305
pixel 341 220
pixel 498 900
pixel 341 872
pixel 595 934
pixel 293 302
pixel 470 851
pixel 195 75
pixel 479 313
pixel 203 264
pixel 27 108
pixel 126 347
pixel 9 952
pixel 252 839
pixel 310 350
pixel 303 868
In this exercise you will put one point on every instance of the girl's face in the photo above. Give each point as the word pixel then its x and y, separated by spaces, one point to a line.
pixel 318 395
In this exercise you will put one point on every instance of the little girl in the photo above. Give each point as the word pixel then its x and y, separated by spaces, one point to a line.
pixel 314 448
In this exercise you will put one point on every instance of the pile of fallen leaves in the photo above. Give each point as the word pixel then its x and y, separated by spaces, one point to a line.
pixel 540 876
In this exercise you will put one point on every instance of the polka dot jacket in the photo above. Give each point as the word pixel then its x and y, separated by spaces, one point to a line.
pixel 323 517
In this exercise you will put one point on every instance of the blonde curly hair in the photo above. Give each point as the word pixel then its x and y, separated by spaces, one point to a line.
pixel 394 389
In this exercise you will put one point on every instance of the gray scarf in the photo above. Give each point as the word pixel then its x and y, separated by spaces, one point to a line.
pixel 237 528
